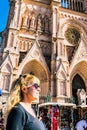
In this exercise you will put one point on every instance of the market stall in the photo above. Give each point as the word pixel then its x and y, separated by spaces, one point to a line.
pixel 79 113
pixel 56 116
pixel 82 111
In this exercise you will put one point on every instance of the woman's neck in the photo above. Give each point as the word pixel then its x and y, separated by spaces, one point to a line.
pixel 27 106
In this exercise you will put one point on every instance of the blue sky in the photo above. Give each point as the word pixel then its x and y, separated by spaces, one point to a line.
pixel 4 9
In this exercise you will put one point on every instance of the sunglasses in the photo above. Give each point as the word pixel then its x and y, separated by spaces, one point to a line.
pixel 35 85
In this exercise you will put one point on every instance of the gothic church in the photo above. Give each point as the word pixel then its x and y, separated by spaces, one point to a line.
pixel 47 38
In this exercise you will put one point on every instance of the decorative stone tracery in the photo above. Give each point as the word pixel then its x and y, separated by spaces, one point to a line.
pixel 25 45
pixel 72 35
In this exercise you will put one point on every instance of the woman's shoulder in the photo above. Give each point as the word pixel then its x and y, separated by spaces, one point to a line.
pixel 17 109
pixel 18 106
pixel 16 112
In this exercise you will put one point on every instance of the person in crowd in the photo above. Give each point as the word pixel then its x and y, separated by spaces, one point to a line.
pixel 20 115
pixel 81 125
pixel 42 121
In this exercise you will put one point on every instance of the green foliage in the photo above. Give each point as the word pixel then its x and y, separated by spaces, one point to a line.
pixel 72 99
pixel 72 35
pixel 46 98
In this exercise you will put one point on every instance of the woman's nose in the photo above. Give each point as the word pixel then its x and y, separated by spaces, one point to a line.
pixel 38 89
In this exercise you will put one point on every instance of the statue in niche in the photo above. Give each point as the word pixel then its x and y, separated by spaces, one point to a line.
pixel 39 20
pixel 46 24
pixel 33 21
pixel 81 97
pixel 26 18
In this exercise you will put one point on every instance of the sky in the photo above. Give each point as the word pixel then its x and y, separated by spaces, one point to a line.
pixel 4 9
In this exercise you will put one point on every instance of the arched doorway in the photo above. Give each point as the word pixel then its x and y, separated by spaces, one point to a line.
pixel 36 68
pixel 77 83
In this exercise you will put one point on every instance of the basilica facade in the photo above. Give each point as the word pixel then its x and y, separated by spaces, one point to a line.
pixel 47 38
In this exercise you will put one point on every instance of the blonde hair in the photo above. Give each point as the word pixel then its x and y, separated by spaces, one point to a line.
pixel 16 94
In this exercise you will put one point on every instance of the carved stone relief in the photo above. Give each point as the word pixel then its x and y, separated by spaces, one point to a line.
pixel 82 54
pixel 33 20
pixel 46 48
pixel 25 45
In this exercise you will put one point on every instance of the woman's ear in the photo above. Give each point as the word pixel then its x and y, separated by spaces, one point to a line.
pixel 24 89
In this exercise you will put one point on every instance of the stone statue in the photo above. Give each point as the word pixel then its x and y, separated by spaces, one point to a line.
pixel 81 97
pixel 33 19
pixel 39 21
pixel 26 19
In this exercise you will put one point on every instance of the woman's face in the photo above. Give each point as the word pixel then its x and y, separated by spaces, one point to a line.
pixel 33 92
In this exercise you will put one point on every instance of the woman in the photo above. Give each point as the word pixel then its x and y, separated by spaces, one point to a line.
pixel 20 113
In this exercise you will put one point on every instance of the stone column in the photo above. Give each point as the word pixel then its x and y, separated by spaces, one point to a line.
pixel 54 21
pixel 16 13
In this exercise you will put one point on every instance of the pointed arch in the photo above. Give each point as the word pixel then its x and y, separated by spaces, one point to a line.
pixel 46 24
pixel 6 68
pixel 38 70
pixel 6 76
pixel 77 84
pixel 62 83
pixel 78 78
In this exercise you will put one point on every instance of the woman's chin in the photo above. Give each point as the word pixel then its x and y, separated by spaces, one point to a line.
pixel 36 101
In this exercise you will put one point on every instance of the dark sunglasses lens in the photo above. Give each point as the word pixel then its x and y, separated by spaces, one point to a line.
pixel 36 85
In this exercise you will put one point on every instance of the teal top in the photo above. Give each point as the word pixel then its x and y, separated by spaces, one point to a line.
pixel 20 119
